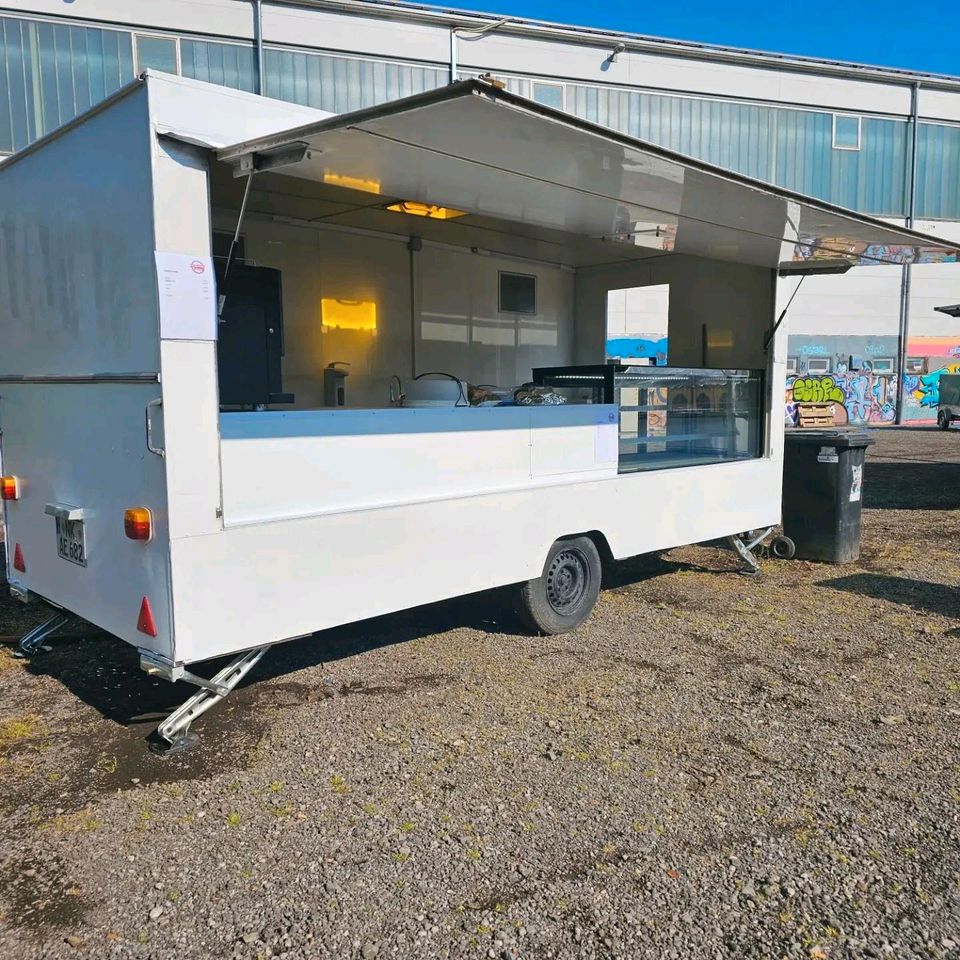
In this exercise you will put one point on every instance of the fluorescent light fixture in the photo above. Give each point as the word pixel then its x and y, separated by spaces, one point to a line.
pixel 431 210
pixel 813 267
pixel 951 310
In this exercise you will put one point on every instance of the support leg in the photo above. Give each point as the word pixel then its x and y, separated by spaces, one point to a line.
pixel 745 550
pixel 32 642
pixel 175 730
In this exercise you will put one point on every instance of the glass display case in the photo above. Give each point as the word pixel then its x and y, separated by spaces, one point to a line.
pixel 671 416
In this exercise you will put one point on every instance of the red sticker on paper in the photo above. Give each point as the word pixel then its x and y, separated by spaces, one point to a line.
pixel 197 266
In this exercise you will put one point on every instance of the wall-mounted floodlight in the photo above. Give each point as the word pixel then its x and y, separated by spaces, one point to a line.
pixel 951 310
pixel 807 268
pixel 615 52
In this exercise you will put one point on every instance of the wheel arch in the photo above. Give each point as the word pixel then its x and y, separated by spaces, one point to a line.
pixel 600 541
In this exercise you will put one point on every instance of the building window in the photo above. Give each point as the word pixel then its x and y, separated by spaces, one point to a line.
pixel 846 131
pixel 818 365
pixel 157 53
pixel 792 365
pixel 882 365
pixel 518 293
pixel 914 365
pixel 549 94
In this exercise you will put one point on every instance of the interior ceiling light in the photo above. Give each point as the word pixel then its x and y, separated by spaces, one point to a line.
pixel 351 183
pixel 431 210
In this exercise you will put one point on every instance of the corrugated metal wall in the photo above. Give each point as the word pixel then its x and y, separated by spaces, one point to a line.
pixel 792 148
pixel 51 72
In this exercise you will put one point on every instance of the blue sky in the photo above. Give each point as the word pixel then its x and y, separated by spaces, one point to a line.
pixel 920 36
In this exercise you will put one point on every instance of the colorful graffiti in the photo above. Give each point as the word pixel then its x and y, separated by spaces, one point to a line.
pixel 860 396
pixel 633 348
pixel 925 388
pixel 859 252
pixel 817 390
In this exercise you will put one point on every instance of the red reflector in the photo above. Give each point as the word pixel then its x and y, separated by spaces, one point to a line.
pixel 9 488
pixel 18 563
pixel 145 622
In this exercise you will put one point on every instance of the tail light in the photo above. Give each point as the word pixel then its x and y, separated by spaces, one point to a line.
pixel 138 523
pixel 9 488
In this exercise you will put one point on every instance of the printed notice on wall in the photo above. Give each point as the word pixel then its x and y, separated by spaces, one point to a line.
pixel 188 297
pixel 828 455
pixel 857 485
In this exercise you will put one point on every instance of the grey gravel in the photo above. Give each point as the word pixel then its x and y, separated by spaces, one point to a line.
pixel 712 767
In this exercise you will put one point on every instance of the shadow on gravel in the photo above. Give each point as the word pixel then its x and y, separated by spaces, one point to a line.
pixel 103 672
pixel 624 573
pixel 912 485
pixel 921 595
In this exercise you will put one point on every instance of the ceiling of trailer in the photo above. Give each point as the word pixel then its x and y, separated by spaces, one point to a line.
pixel 539 183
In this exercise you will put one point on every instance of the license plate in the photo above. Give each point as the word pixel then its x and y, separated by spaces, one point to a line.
pixel 71 544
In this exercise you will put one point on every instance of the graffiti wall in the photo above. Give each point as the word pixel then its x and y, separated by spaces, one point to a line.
pixel 859 396
pixel 860 378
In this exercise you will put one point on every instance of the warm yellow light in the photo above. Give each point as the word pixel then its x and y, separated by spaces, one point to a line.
pixel 348 315
pixel 431 210
pixel 351 183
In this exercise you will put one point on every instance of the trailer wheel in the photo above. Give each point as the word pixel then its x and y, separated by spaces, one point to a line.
pixel 783 548
pixel 561 598
pixel 943 421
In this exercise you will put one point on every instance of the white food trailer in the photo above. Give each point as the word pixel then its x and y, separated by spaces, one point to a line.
pixel 217 313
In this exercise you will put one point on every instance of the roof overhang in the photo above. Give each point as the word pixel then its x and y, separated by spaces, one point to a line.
pixel 475 148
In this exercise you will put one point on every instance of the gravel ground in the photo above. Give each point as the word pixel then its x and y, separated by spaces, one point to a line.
pixel 713 766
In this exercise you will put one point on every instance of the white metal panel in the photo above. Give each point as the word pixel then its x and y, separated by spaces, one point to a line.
pixel 220 17
pixel 266 582
pixel 939 105
pixel 477 149
pixel 76 292
pixel 85 445
pixel 214 116
pixel 190 435
pixel 282 465
pixel 661 71
pixel 331 30
pixel 189 370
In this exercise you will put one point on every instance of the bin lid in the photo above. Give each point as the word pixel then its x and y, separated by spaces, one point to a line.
pixel 844 439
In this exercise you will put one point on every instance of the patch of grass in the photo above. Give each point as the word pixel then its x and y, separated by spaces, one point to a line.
pixel 8 661
pixel 233 819
pixel 338 784
pixel 80 822
pixel 106 764
pixel 14 730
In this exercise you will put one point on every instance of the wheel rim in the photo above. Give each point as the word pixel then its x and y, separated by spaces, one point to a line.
pixel 568 578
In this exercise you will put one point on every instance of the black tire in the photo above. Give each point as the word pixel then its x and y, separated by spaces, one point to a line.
pixel 783 548
pixel 561 598
pixel 943 421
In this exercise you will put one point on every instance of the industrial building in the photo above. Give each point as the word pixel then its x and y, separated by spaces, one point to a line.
pixel 881 141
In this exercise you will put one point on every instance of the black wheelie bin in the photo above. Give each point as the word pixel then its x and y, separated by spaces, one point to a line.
pixel 823 492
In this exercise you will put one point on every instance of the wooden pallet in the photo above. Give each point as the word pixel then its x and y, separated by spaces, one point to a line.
pixel 815 415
